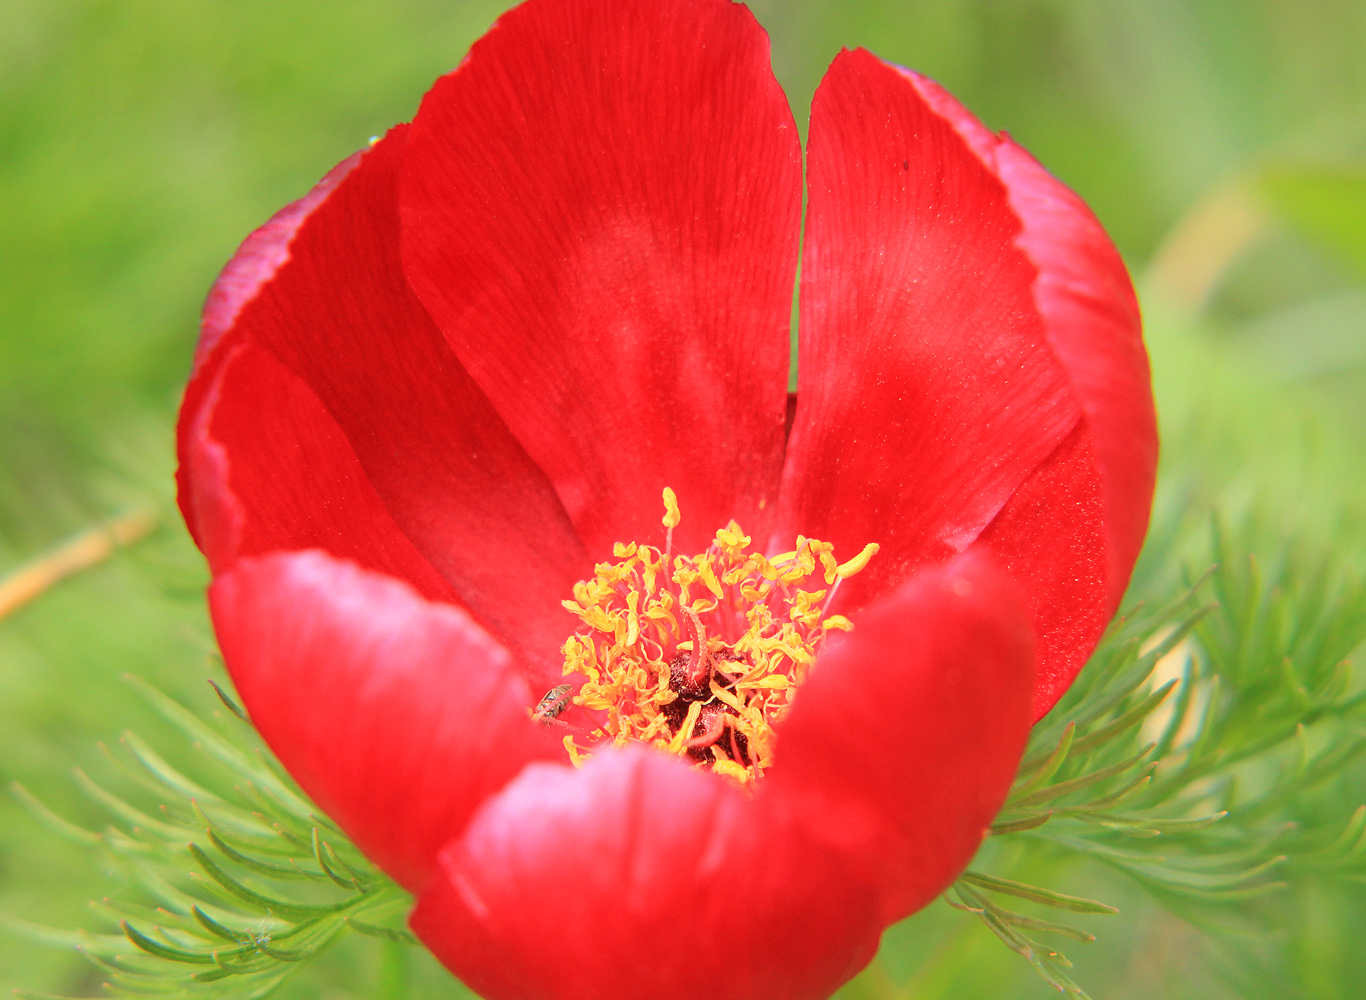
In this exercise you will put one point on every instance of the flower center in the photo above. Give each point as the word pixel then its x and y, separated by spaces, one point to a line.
pixel 697 655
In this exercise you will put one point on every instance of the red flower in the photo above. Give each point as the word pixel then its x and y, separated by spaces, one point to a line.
pixel 433 393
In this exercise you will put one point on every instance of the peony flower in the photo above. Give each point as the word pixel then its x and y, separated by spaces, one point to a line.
pixel 645 678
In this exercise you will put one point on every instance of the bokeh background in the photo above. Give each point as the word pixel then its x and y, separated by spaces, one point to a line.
pixel 1222 142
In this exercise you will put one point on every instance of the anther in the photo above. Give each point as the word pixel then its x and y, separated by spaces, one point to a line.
pixel 672 516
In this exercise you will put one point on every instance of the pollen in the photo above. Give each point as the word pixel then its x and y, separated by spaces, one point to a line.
pixel 697 655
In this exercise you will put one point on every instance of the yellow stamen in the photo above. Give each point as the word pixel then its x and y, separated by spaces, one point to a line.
pixel 672 515
pixel 759 623
pixel 854 565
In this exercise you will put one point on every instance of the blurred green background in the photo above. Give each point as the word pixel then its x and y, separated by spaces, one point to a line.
pixel 1222 143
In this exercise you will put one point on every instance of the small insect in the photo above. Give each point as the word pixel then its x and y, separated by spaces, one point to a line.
pixel 555 701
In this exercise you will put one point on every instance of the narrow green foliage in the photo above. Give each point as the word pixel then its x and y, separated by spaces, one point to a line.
pixel 1012 927
pixel 387 933
pixel 272 886
pixel 1177 754
pixel 1034 894
pixel 228 701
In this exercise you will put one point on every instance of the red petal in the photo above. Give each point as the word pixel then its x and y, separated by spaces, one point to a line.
pixel 340 316
pixel 1066 575
pixel 601 211
pixel 903 744
pixel 926 389
pixel 264 467
pixel 963 314
pixel 258 258
pixel 1093 325
pixel 255 262
pixel 398 716
pixel 640 877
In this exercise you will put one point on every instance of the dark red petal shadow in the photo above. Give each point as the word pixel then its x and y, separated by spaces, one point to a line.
pixel 901 747
pixel 398 716
pixel 340 316
pixel 601 211
pixel 264 467
pixel 639 877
